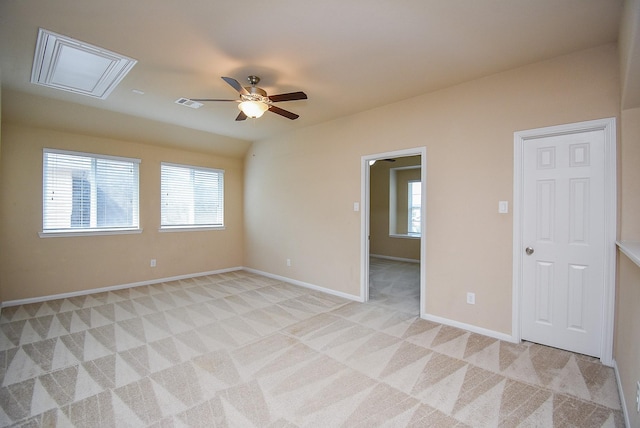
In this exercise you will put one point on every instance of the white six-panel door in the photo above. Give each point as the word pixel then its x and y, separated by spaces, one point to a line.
pixel 564 239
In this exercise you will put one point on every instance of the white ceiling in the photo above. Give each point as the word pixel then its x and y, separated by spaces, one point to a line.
pixel 348 56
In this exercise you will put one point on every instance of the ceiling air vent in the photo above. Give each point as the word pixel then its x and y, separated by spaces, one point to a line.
pixel 70 65
pixel 188 103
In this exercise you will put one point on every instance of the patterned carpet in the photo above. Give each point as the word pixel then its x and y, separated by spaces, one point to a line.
pixel 242 350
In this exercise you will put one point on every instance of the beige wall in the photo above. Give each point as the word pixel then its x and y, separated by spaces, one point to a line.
pixel 32 266
pixel 627 333
pixel 381 243
pixel 627 328
pixel 300 187
pixel 630 175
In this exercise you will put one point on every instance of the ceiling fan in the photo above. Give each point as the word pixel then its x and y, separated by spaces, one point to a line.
pixel 254 101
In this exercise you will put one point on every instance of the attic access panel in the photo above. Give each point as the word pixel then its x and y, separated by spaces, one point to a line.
pixel 61 62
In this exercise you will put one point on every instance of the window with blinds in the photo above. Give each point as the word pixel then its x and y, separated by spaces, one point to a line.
pixel 89 193
pixel 192 197
pixel 415 202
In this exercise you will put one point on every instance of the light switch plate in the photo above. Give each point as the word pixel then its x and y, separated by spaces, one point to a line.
pixel 503 207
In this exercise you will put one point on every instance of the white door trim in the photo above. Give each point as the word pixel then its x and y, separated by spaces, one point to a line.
pixel 365 214
pixel 608 126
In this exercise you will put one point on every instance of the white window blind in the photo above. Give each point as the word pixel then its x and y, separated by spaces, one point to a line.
pixel 191 196
pixel 86 192
pixel 415 202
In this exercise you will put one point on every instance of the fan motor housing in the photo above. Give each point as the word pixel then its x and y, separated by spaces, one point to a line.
pixel 254 90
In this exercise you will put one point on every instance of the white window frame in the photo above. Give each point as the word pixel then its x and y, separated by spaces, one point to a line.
pixel 91 230
pixel 191 226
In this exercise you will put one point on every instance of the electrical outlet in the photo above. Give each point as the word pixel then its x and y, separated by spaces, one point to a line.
pixel 153 263
pixel 471 298
pixel 289 262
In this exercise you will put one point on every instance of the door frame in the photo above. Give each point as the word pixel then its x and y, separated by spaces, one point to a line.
pixel 608 126
pixel 365 219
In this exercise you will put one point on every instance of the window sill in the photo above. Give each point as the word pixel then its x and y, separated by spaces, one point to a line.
pixel 66 234
pixel 190 228
pixel 631 249
pixel 404 236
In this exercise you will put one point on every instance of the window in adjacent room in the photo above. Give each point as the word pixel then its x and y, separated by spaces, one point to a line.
pixel 415 200
pixel 192 197
pixel 92 193
pixel 405 200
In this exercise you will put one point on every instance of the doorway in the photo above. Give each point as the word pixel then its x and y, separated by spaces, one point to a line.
pixel 419 217
pixel 564 236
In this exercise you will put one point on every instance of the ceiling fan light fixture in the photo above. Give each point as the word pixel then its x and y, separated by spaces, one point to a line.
pixel 254 101
pixel 253 109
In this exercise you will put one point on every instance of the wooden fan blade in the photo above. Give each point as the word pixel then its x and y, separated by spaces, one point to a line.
pixel 241 116
pixel 235 85
pixel 291 96
pixel 211 99
pixel 282 112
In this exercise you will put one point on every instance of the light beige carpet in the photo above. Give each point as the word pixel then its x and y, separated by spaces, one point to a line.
pixel 243 350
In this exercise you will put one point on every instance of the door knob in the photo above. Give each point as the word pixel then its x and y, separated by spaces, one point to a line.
pixel 528 250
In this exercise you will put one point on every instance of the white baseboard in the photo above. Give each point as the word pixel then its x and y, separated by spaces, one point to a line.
pixel 111 288
pixel 623 402
pixel 305 285
pixel 469 327
pixel 397 259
